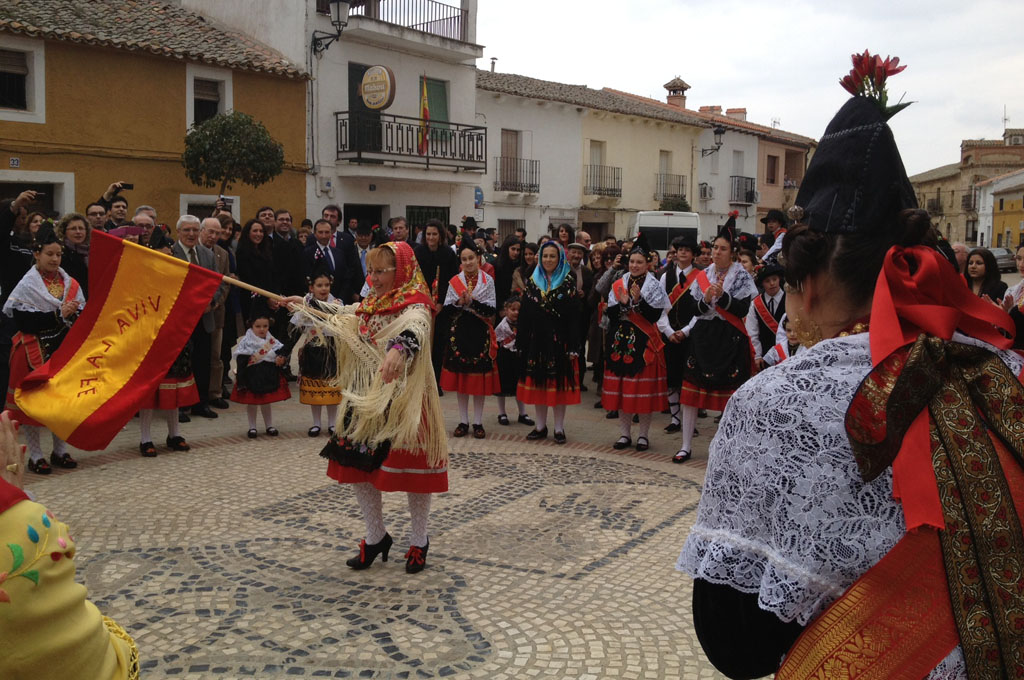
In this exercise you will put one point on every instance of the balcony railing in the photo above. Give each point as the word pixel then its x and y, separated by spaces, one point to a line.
pixel 669 186
pixel 968 203
pixel 384 138
pixel 934 206
pixel 521 175
pixel 742 189
pixel 602 180
pixel 427 16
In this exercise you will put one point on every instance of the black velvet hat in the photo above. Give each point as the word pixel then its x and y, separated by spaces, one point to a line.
pixel 640 245
pixel 770 269
pixel 776 215
pixel 686 241
pixel 856 181
pixel 728 230
pixel 44 236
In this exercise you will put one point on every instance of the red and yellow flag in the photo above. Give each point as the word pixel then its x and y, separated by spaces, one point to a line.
pixel 142 308
pixel 424 133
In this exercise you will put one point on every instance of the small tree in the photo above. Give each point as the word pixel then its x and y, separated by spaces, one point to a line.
pixel 230 148
pixel 675 205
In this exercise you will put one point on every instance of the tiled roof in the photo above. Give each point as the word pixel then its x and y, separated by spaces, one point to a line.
pixel 145 26
pixel 941 172
pixel 580 95
pixel 1005 175
pixel 727 122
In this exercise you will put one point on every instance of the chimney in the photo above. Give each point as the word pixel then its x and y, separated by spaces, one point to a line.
pixel 493 60
pixel 716 110
pixel 738 114
pixel 677 88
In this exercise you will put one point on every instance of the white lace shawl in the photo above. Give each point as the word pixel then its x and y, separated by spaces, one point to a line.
pixel 1016 291
pixel 506 335
pixel 250 344
pixel 738 283
pixel 31 295
pixel 300 320
pixel 483 291
pixel 652 292
pixel 784 512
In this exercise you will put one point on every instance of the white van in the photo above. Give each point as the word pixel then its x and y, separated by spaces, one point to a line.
pixel 661 226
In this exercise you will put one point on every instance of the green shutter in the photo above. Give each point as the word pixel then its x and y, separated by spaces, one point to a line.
pixel 437 100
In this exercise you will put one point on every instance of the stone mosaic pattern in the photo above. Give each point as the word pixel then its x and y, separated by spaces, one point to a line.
pixel 545 561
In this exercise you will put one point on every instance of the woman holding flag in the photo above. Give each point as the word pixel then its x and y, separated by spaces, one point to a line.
pixel 43 306
pixel 720 357
pixel 390 430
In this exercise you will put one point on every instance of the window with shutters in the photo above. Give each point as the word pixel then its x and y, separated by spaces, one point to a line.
pixel 206 100
pixel 437 101
pixel 13 80
pixel 208 91
pixel 22 80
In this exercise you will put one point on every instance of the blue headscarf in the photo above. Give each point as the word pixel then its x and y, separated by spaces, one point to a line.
pixel 558 276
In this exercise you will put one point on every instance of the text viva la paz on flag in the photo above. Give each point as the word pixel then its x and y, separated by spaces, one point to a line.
pixel 424 133
pixel 142 308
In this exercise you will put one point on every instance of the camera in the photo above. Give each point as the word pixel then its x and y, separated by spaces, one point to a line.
pixel 227 201
pixel 125 186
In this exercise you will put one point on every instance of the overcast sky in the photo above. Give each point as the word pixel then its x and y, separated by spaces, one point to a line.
pixel 965 60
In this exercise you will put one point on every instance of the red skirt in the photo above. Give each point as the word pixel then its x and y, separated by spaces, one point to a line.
pixel 643 393
pixel 173 393
pixel 471 383
pixel 26 356
pixel 529 392
pixel 243 396
pixel 702 397
pixel 403 470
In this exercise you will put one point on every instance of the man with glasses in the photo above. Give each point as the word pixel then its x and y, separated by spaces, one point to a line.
pixel 96 213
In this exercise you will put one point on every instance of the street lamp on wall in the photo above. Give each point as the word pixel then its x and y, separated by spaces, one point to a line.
pixel 339 19
pixel 719 131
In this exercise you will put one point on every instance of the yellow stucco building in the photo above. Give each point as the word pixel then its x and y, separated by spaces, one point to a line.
pixel 1008 216
pixel 92 99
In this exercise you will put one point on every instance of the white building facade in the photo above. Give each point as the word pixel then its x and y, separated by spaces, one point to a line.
pixel 985 198
pixel 727 179
pixel 380 161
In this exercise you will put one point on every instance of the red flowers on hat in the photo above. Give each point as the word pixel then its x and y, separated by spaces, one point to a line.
pixel 867 79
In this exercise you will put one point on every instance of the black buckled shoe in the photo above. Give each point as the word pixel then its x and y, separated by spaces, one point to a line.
pixel 64 460
pixel 622 443
pixel 559 437
pixel 642 444
pixel 537 434
pixel 681 456
pixel 178 444
pixel 147 449
pixel 526 420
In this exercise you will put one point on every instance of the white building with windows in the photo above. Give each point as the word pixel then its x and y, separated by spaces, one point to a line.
pixel 365 138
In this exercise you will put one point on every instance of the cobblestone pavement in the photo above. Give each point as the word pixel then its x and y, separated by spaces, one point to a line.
pixel 228 561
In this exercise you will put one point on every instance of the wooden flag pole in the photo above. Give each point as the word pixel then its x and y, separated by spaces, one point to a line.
pixel 267 294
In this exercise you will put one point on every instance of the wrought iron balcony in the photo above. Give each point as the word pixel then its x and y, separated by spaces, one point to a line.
pixel 602 180
pixel 742 189
pixel 521 175
pixel 426 16
pixel 384 138
pixel 934 206
pixel 669 186
pixel 968 203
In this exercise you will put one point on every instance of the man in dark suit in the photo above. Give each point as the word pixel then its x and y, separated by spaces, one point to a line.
pixel 209 231
pixel 357 256
pixel 319 253
pixel 188 248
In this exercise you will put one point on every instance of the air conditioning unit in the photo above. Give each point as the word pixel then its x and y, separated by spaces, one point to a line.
pixel 757 197
pixel 707 192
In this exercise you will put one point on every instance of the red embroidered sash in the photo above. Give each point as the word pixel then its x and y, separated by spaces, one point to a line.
pixel 460 287
pixel 703 283
pixel 780 349
pixel 766 317
pixel 682 287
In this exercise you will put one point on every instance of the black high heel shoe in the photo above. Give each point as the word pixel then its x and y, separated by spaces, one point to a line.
pixel 416 558
pixel 368 553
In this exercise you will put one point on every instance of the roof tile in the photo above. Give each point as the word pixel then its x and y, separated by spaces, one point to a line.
pixel 143 25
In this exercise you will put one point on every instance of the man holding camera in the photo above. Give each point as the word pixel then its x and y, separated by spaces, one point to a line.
pixel 116 205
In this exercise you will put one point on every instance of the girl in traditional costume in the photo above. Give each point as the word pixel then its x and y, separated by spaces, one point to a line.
pixel 176 390
pixel 861 514
pixel 317 366
pixel 43 306
pixel 634 370
pixel 259 359
pixel 390 432
pixel 548 341
pixel 471 348
pixel 720 357
pixel 508 360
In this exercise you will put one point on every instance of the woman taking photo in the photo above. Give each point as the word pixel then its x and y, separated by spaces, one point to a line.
pixel 892 396
pixel 255 262
pixel 720 357
pixel 524 271
pixel 390 431
pixel 470 347
pixel 634 372
pixel 547 342
pixel 982 275
pixel 43 306
pixel 73 230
